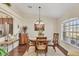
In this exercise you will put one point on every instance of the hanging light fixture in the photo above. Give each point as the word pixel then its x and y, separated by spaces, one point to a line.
pixel 39 25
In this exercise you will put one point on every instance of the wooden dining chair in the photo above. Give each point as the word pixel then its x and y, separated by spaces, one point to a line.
pixel 55 40
pixel 41 46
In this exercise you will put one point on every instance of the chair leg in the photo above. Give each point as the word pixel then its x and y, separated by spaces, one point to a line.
pixel 27 47
pixel 37 53
pixel 45 54
pixel 54 48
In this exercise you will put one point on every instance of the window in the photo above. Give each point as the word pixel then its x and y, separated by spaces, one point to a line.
pixel 71 32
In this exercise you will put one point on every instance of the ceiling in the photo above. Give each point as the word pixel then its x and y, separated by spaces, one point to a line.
pixel 53 10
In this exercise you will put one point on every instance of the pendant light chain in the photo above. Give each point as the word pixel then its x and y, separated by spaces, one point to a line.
pixel 39 14
pixel 39 25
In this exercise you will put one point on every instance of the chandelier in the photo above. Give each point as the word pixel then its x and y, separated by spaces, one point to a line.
pixel 39 25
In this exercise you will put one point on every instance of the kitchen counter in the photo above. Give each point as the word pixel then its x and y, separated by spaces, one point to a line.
pixel 9 45
pixel 7 42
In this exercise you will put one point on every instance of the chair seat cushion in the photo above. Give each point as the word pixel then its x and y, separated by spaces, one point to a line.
pixel 41 47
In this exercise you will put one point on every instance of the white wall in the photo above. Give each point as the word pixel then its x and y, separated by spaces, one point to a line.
pixel 50 26
pixel 50 23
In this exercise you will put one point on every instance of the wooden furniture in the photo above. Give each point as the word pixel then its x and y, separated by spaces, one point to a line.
pixel 55 40
pixel 23 38
pixel 41 45
pixel 33 41
pixel 41 37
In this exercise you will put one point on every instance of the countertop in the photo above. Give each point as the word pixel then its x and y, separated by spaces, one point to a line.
pixel 7 42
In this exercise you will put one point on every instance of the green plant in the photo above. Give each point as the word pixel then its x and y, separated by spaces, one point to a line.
pixel 8 4
pixel 2 52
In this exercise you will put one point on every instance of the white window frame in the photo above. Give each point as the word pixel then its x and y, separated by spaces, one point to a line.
pixel 67 20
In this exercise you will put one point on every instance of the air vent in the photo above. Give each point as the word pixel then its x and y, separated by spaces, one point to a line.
pixel 29 6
